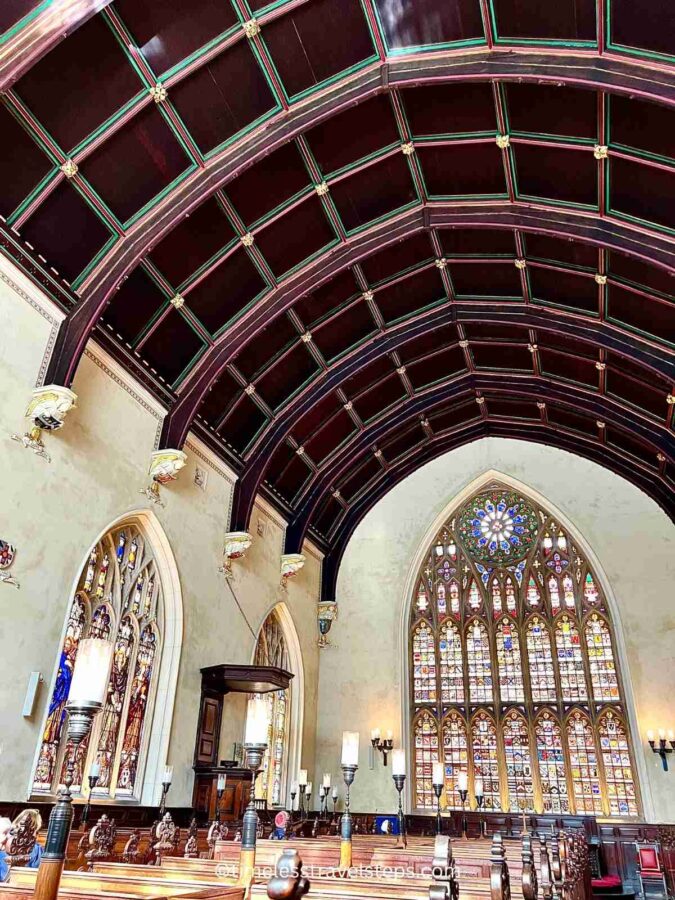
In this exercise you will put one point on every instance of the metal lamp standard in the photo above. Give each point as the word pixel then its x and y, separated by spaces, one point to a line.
pixel 398 774
pixel 94 775
pixel 349 765
pixel 463 791
pixel 438 782
pixel 255 744
pixel 85 700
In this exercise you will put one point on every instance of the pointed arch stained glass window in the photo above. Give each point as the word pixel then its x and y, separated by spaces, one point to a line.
pixel 527 616
pixel 455 756
pixel 551 761
pixel 119 598
pixel 272 650
pixel 584 765
pixel 426 754
pixel 479 662
pixel 617 765
pixel 540 659
pixel 424 664
pixel 518 763
pixel 486 758
pixel 450 658
pixel 604 680
pixel 511 687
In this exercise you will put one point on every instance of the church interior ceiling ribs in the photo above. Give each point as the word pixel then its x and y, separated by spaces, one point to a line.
pixel 339 237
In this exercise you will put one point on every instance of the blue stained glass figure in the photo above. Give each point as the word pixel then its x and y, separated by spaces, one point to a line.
pixel 121 543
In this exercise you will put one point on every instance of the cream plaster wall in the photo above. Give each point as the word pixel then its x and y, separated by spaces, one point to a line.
pixel 360 685
pixel 53 513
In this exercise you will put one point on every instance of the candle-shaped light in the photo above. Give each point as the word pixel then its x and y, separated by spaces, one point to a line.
pixel 256 721
pixel 302 777
pixel 375 734
pixel 662 734
pixel 335 793
pixel 390 735
pixel 326 779
pixel 650 735
pixel 398 762
pixel 90 675
pixel 671 734
pixel 222 781
pixel 168 775
pixel 95 771
pixel 437 777
pixel 309 788
pixel 462 781
pixel 350 748
pixel 479 787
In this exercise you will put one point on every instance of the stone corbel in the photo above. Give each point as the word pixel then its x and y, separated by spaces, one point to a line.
pixel 235 547
pixel 164 468
pixel 47 410
pixel 291 563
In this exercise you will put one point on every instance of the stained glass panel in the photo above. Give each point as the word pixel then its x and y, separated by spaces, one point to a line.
pixel 583 765
pixel 511 601
pixel 540 658
pixel 591 595
pixel 455 756
pixel 479 663
pixel 49 749
pixel 570 661
pixel 554 594
pixel 450 658
pixel 138 702
pixel 533 594
pixel 568 591
pixel 604 679
pixel 426 754
pixel 511 687
pixel 113 708
pixel 518 763
pixel 271 650
pixel 486 758
pixel 424 664
pixel 454 599
pixel 551 760
pixel 617 764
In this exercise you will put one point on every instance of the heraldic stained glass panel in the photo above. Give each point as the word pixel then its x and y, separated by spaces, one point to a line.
pixel 518 763
pixel 272 650
pixel 551 762
pixel 425 742
pixel 455 756
pixel 118 598
pixel 507 610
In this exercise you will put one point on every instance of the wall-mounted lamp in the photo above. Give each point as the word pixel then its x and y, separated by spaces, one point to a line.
pixel 661 748
pixel 384 746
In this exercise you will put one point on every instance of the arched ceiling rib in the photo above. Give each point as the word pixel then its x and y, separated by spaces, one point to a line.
pixel 355 142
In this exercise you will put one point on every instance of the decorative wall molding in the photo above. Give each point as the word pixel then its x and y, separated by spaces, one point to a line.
pixel 114 370
pixel 197 447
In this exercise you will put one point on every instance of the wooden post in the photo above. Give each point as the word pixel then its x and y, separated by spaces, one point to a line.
pixel 288 882
pixel 529 876
pixel 445 884
pixel 545 869
pixel 500 882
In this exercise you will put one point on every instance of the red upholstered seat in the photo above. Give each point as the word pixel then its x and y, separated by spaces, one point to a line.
pixel 608 882
pixel 649 859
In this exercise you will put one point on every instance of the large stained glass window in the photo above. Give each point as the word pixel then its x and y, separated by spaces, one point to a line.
pixel 271 650
pixel 513 667
pixel 118 598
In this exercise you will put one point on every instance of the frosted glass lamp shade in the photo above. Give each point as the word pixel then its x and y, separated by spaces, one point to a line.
pixel 350 748
pixel 398 762
pixel 90 675
pixel 256 721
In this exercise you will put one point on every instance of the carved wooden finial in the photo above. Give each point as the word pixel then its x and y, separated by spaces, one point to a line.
pixel 500 882
pixel 288 882
pixel 529 875
pixel 445 883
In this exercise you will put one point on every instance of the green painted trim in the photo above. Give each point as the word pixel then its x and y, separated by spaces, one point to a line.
pixel 537 301
pixel 453 137
pixel 664 229
pixel 442 301
pixel 302 193
pixel 434 48
pixel 350 167
pixel 75 284
pixel 37 190
pixel 503 196
pixel 162 109
pixel 56 296
pixel 201 52
pixel 194 359
pixel 557 262
pixel 634 151
pixel 534 42
pixel 634 330
pixel 147 326
pixel 625 282
pixel 327 82
pixel 416 267
pixel 263 68
pixel 105 126
pixel 34 136
pixel 558 138
pixel 383 218
pixel 566 204
pixel 238 315
pixel 158 197
pixel 238 135
pixel 193 276
pixel 310 258
pixel 21 24
pixel 645 55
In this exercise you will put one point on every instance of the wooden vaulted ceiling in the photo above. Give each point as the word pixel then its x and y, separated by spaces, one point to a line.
pixel 339 237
